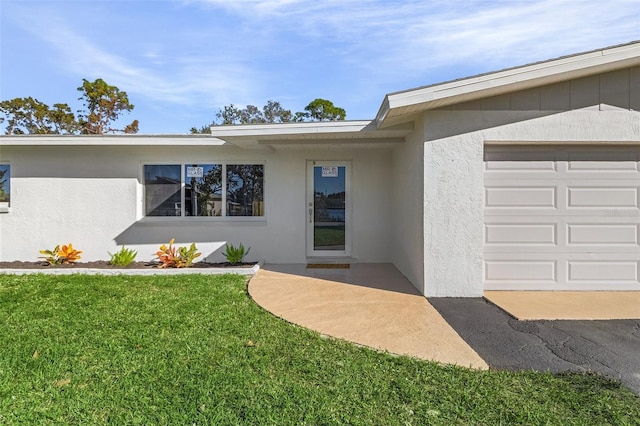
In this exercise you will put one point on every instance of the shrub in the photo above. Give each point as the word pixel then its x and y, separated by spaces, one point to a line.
pixel 187 256
pixel 51 257
pixel 174 257
pixel 123 257
pixel 61 255
pixel 235 255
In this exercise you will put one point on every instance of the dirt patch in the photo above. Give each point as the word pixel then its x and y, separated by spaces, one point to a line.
pixel 103 264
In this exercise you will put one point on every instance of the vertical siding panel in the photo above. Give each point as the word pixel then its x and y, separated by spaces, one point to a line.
pixel 497 103
pixel 614 88
pixel 634 90
pixel 526 100
pixel 556 97
pixel 585 92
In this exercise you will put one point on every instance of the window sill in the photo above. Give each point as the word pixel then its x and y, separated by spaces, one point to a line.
pixel 203 221
pixel 4 209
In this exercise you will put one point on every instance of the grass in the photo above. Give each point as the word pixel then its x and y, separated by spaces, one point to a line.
pixel 195 349
pixel 328 236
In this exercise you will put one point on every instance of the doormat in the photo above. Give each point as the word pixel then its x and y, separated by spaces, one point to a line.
pixel 328 266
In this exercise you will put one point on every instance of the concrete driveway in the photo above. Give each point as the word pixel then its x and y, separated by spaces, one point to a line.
pixel 610 348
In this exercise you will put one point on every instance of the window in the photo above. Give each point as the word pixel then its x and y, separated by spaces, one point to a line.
pixel 162 190
pixel 245 190
pixel 5 186
pixel 204 190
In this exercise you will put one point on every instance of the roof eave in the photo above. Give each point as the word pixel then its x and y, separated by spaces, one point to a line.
pixel 289 134
pixel 110 140
pixel 500 82
pixel 306 128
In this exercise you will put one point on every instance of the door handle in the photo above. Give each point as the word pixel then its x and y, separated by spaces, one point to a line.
pixel 310 215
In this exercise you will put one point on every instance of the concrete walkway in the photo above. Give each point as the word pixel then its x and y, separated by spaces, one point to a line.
pixel 568 305
pixel 368 304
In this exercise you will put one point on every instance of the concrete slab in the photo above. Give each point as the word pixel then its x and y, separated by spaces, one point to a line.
pixel 368 304
pixel 568 305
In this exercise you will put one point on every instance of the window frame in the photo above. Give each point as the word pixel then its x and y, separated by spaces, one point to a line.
pixel 194 219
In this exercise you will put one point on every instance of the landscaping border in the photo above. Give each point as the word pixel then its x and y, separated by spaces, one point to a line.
pixel 151 271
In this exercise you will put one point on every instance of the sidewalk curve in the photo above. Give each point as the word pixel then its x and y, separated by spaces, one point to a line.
pixel 368 304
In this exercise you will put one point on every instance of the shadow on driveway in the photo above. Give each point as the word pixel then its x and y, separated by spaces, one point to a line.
pixel 610 348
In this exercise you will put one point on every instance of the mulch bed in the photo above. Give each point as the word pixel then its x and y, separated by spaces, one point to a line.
pixel 103 264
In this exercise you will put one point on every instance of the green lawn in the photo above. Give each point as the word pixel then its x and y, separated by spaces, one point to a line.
pixel 195 349
pixel 328 236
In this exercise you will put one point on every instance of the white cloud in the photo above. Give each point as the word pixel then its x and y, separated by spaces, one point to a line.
pixel 422 35
pixel 178 80
pixel 382 45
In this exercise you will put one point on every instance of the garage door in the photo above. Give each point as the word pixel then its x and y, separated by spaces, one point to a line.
pixel 562 218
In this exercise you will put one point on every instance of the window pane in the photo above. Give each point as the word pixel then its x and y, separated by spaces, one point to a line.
pixel 203 190
pixel 329 219
pixel 5 185
pixel 162 190
pixel 245 190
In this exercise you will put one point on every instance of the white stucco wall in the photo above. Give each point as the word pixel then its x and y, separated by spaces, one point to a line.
pixel 92 197
pixel 407 215
pixel 452 216
pixel 453 188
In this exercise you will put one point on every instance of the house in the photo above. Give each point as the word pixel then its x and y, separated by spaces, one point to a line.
pixel 525 178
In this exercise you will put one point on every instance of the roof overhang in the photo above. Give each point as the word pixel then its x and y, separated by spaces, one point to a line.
pixel 110 140
pixel 351 134
pixel 264 136
pixel 403 106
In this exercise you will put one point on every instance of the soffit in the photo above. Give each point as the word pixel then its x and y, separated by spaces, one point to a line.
pixel 323 135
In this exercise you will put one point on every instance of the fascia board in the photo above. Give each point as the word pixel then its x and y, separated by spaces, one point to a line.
pixel 382 111
pixel 300 129
pixel 515 78
pixel 110 140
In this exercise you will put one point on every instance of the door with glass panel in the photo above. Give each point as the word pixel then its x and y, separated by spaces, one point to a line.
pixel 328 212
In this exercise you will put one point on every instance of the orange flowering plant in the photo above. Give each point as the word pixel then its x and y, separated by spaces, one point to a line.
pixel 61 255
pixel 176 257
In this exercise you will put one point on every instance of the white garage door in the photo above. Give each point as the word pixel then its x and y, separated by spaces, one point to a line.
pixel 562 218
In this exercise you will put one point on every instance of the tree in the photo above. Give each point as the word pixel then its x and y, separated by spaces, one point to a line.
pixel 30 116
pixel 104 104
pixel 63 119
pixel 232 115
pixel 273 112
pixel 202 130
pixel 324 110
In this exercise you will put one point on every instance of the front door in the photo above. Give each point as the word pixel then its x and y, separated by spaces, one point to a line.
pixel 328 209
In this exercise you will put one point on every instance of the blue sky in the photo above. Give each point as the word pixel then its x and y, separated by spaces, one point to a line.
pixel 180 61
